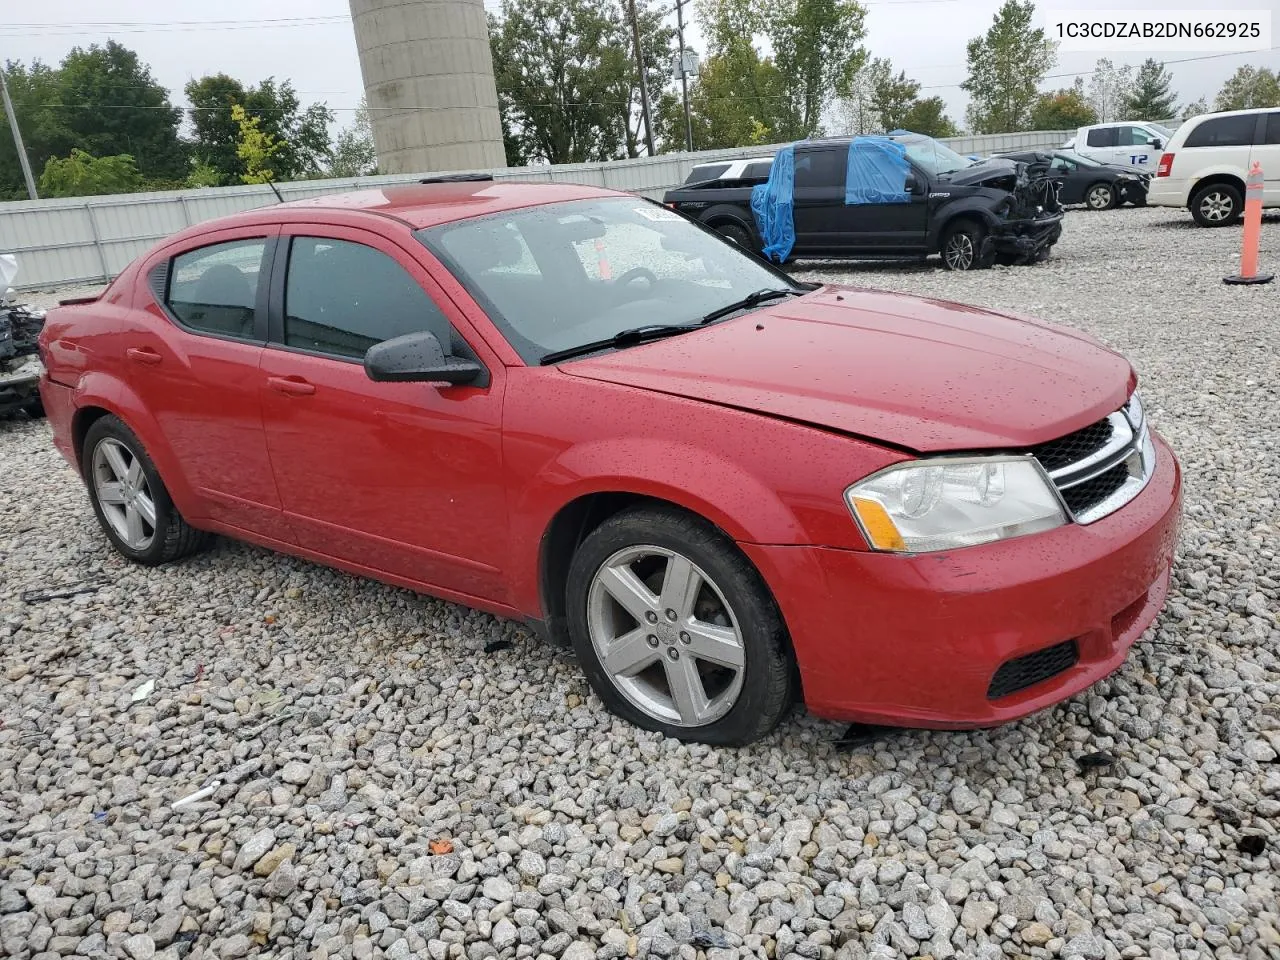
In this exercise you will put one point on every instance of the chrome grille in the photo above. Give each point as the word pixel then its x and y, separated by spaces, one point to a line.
pixel 1100 468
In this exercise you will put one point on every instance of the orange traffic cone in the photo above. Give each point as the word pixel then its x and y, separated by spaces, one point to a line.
pixel 1252 231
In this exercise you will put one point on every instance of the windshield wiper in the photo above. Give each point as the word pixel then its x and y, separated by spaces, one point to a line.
pixel 623 338
pixel 750 300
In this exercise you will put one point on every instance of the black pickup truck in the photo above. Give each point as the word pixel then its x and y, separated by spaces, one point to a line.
pixel 973 212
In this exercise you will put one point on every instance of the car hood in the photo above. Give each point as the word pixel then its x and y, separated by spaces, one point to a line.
pixel 924 375
pixel 982 170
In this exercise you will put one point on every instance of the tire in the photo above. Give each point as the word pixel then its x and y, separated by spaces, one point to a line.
pixel 737 235
pixel 1139 199
pixel 736 700
pixel 1101 196
pixel 1216 205
pixel 967 238
pixel 109 448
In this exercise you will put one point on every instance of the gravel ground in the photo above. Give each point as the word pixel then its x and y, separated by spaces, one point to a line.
pixel 393 784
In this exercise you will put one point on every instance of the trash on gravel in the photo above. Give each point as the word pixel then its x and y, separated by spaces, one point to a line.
pixel 61 591
pixel 440 847
pixel 144 691
pixel 1252 844
pixel 202 794
pixel 1095 761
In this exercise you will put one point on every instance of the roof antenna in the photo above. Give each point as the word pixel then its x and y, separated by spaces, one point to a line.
pixel 272 185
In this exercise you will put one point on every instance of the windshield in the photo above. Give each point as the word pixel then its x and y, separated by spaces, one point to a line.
pixel 933 157
pixel 1165 132
pixel 1083 160
pixel 565 274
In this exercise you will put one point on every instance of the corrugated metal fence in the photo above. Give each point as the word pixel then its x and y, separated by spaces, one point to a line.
pixel 91 239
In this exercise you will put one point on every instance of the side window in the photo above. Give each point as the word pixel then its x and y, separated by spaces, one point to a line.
pixel 1059 163
pixel 214 289
pixel 342 298
pixel 821 168
pixel 1234 131
pixel 1133 137
pixel 1102 137
pixel 758 170
pixel 1272 133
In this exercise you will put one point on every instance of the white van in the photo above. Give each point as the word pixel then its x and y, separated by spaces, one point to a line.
pixel 1128 143
pixel 1205 163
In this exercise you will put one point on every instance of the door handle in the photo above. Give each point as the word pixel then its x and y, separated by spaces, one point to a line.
pixel 291 386
pixel 143 355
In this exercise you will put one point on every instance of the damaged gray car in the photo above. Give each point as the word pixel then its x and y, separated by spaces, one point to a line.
pixel 20 366
pixel 973 213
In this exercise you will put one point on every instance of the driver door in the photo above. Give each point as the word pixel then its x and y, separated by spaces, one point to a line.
pixel 398 478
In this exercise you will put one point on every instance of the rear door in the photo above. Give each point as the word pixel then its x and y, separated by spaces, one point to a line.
pixel 825 223
pixel 197 372
pixel 399 478
pixel 1266 151
pixel 1099 144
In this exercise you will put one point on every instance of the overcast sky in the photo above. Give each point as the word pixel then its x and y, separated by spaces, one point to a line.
pixel 311 43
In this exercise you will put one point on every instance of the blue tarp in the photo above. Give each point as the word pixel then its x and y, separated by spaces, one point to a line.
pixel 772 205
pixel 877 171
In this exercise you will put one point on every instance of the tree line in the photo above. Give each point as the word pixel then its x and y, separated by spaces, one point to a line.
pixel 569 91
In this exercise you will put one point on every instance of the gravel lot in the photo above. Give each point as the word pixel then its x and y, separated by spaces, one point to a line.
pixel 389 786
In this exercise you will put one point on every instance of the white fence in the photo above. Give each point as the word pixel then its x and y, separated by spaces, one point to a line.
pixel 91 239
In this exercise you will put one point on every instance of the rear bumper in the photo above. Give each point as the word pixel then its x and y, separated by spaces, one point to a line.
pixel 918 640
pixel 1167 192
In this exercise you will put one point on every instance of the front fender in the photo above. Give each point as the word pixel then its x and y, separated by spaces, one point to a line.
pixel 107 392
pixel 974 207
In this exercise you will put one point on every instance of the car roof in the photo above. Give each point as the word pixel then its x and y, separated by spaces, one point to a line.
pixel 418 205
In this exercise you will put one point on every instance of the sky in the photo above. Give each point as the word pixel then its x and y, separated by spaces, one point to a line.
pixel 311 42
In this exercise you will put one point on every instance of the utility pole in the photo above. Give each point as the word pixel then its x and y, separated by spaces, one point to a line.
pixel 17 138
pixel 684 75
pixel 644 92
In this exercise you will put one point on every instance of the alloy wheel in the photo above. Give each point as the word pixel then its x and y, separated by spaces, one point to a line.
pixel 121 488
pixel 667 638
pixel 1217 206
pixel 959 252
pixel 1099 197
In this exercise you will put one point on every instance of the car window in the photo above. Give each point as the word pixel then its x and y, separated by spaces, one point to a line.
pixel 706 171
pixel 1236 131
pixel 1061 163
pixel 1102 137
pixel 758 170
pixel 341 298
pixel 821 168
pixel 1272 133
pixel 214 289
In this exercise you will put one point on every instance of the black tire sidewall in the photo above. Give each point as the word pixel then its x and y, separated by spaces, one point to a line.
pixel 759 622
pixel 977 234
pixel 738 236
pixel 114 428
pixel 1236 203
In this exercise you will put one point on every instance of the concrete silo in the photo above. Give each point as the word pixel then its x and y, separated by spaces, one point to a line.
pixel 428 79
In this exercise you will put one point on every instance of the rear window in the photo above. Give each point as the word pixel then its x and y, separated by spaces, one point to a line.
pixel 1234 131
pixel 821 168
pixel 1273 128
pixel 706 171
pixel 758 170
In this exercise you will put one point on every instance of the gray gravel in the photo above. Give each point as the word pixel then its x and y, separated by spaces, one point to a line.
pixel 353 728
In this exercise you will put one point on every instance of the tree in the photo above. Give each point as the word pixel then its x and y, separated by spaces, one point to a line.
pixel 1064 109
pixel 1109 90
pixel 817 47
pixel 736 102
pixel 1151 98
pixel 929 116
pixel 83 175
pixel 1195 108
pixel 354 153
pixel 892 97
pixel 255 148
pixel 1247 88
pixel 113 105
pixel 1005 68
pixel 302 135
pixel 32 90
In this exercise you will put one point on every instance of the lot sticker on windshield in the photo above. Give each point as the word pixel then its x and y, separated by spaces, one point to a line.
pixel 657 213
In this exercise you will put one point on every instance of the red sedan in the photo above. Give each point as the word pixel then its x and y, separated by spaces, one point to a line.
pixel 579 409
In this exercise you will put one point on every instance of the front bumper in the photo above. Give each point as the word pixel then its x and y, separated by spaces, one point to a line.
pixel 916 640
pixel 1134 191
pixel 19 383
pixel 1025 239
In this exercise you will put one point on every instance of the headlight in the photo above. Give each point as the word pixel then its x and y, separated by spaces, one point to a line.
pixel 947 503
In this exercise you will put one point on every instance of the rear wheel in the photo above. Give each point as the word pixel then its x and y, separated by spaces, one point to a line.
pixel 130 500
pixel 1100 196
pixel 736 235
pixel 676 631
pixel 1217 205
pixel 964 247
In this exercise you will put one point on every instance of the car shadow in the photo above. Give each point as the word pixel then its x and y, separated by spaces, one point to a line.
pixel 863 266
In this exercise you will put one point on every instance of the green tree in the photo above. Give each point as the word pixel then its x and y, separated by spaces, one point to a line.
pixel 1247 88
pixel 1151 98
pixel 354 153
pixel 255 148
pixel 735 102
pixel 84 175
pixel 1064 109
pixel 32 90
pixel 1006 66
pixel 1109 90
pixel 817 47
pixel 302 134
pixel 929 116
pixel 113 105
pixel 892 97
pixel 1195 108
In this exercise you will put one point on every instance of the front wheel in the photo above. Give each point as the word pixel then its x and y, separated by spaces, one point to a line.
pixel 1217 205
pixel 1100 196
pixel 676 631
pixel 965 248
pixel 130 500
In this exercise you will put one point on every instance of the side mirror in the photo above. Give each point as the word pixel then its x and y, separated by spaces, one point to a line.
pixel 1156 143
pixel 913 185
pixel 417 357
